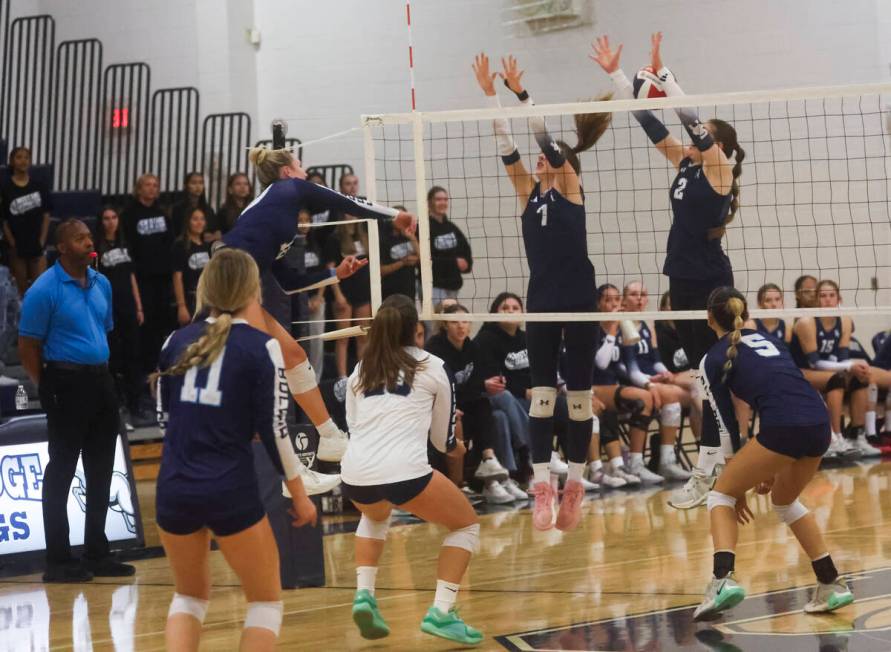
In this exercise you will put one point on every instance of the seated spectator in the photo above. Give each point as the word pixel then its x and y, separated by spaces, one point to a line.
pixel 503 347
pixel 239 193
pixel 114 261
pixel 149 239
pixel 770 297
pixel 449 249
pixel 194 198
pixel 399 260
pixel 463 357
pixel 26 216
pixel 191 253
pixel 806 292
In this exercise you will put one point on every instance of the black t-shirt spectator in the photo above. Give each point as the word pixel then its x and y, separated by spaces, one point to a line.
pixel 313 257
pixel 226 216
pixel 182 211
pixel 670 349
pixel 147 229
pixel 190 258
pixel 447 244
pixel 508 355
pixel 115 262
pixel 468 365
pixel 23 210
pixel 395 247
pixel 356 288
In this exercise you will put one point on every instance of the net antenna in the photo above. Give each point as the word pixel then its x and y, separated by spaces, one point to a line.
pixel 815 194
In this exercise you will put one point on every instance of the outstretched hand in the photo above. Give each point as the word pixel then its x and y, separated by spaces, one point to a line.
pixel 655 56
pixel 511 74
pixel 484 78
pixel 605 56
pixel 349 266
pixel 406 222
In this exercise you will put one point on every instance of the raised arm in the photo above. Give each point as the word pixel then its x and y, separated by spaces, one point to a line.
pixel 718 169
pixel 608 59
pixel 513 163
pixel 319 198
pixel 718 414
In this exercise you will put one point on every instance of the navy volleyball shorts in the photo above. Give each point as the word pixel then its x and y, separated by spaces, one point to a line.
pixel 397 493
pixel 796 441
pixel 223 513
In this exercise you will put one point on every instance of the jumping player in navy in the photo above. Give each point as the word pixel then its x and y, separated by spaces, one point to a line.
pixel 782 459
pixel 561 279
pixel 399 397
pixel 704 199
pixel 266 229
pixel 220 381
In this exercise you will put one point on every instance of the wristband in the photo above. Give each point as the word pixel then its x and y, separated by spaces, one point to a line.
pixel 522 96
pixel 511 158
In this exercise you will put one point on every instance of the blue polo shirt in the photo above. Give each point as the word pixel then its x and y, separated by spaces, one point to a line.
pixel 70 320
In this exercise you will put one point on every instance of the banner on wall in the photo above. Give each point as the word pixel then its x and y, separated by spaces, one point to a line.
pixel 21 510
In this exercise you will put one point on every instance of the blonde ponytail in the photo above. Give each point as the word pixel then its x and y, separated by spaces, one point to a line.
pixel 737 308
pixel 269 163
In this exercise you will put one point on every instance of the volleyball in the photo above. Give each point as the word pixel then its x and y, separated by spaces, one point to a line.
pixel 647 84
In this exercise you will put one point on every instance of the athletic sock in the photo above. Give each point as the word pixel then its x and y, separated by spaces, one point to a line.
pixel 825 569
pixel 666 454
pixel 709 457
pixel 724 563
pixel 365 577
pixel 446 594
pixel 541 472
pixel 596 465
pixel 636 458
pixel 617 462
pixel 871 423
pixel 576 471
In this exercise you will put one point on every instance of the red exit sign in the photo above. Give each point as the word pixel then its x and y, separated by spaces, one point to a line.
pixel 120 118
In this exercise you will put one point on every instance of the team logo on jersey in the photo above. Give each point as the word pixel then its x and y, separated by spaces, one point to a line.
pixel 401 250
pixel 199 260
pixel 21 205
pixel 116 256
pixel 445 241
pixel 765 621
pixel 517 360
pixel 151 225
pixel 310 259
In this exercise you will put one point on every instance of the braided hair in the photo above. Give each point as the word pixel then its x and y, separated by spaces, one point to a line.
pixel 725 134
pixel 727 307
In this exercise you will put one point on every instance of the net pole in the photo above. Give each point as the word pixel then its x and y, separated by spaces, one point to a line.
pixel 411 53
pixel 426 262
pixel 374 264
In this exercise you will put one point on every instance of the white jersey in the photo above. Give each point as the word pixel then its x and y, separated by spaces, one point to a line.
pixel 389 431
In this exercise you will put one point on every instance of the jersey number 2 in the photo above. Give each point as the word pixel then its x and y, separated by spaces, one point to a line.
pixel 763 347
pixel 209 395
pixel 543 210
pixel 679 191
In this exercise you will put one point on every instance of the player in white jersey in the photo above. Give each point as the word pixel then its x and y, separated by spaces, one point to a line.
pixel 397 397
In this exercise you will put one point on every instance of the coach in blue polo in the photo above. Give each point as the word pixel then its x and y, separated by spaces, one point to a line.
pixel 63 346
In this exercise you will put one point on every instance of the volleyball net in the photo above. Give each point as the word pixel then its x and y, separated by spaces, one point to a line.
pixel 814 193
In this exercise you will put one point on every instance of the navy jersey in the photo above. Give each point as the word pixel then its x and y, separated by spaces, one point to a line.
pixel 696 208
pixel 882 359
pixel 561 276
pixel 210 414
pixel 764 376
pixel 878 341
pixel 778 333
pixel 827 343
pixel 267 227
pixel 644 353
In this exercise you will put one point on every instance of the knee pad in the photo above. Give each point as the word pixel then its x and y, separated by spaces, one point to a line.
pixel 717 499
pixel 670 415
pixel 856 384
pixel 541 406
pixel 595 424
pixel 579 404
pixel 632 405
pixel 788 514
pixel 467 538
pixel 302 378
pixel 641 421
pixel 186 604
pixel 609 427
pixel 837 381
pixel 872 394
pixel 370 529
pixel 265 615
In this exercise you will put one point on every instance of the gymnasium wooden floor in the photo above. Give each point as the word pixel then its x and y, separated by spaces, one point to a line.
pixel 627 579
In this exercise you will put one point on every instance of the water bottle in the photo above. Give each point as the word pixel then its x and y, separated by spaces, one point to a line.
pixel 21 399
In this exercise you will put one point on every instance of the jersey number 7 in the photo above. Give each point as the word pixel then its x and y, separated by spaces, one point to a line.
pixel 763 347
